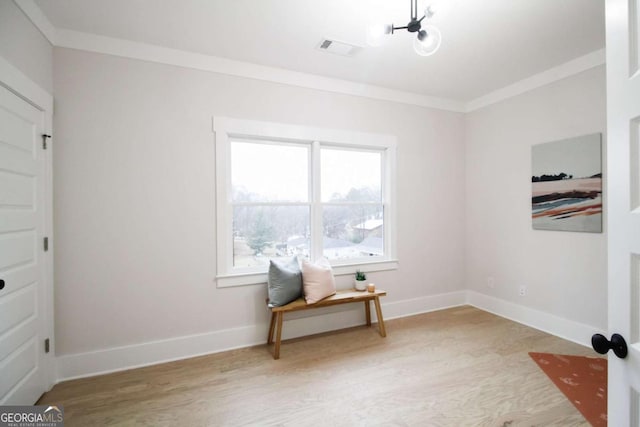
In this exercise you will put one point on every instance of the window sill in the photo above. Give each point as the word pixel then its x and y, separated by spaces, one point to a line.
pixel 233 280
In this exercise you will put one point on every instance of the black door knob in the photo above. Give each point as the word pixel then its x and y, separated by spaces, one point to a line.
pixel 1 284
pixel 602 345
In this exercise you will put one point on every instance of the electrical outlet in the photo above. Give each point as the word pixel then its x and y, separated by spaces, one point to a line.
pixel 491 282
pixel 523 291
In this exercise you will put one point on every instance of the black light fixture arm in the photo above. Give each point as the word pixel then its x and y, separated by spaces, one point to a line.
pixel 427 38
pixel 415 24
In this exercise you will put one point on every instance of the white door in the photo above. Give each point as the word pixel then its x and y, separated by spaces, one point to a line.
pixel 623 193
pixel 24 315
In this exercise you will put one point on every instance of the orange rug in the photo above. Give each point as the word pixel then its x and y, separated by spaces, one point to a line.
pixel 582 379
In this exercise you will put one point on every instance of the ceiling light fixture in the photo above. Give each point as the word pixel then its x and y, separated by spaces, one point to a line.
pixel 428 38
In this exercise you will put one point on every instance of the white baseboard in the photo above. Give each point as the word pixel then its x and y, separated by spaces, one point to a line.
pixel 307 323
pixel 150 353
pixel 297 324
pixel 410 307
pixel 552 324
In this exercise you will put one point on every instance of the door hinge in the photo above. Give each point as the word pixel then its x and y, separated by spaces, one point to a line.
pixel 46 244
pixel 44 141
pixel 46 345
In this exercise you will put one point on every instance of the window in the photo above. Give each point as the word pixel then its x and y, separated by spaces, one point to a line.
pixel 285 190
pixel 352 209
pixel 270 201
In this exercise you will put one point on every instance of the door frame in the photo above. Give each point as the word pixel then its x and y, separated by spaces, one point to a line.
pixel 18 83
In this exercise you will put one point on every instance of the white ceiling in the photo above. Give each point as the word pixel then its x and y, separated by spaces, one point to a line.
pixel 487 45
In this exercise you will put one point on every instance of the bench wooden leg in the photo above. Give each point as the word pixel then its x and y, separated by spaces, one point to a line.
pixel 367 311
pixel 383 332
pixel 272 326
pixel 276 351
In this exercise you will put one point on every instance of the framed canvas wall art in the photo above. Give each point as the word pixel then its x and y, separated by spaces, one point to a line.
pixel 566 181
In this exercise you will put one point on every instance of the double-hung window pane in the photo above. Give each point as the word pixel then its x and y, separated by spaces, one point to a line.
pixel 270 201
pixel 269 172
pixel 353 212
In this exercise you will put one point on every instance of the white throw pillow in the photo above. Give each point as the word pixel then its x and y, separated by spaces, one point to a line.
pixel 317 280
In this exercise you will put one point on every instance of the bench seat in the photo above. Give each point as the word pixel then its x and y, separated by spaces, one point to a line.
pixel 341 297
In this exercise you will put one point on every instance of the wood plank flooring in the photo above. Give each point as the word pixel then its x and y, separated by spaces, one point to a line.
pixel 455 367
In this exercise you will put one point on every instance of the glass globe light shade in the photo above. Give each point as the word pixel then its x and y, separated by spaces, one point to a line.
pixel 428 41
pixel 376 33
pixel 438 10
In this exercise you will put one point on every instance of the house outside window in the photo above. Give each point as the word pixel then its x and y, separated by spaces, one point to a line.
pixel 285 190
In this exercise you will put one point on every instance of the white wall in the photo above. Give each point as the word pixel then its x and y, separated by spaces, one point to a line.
pixel 565 273
pixel 22 44
pixel 134 206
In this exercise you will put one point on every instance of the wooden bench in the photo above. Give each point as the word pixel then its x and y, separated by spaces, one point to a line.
pixel 341 297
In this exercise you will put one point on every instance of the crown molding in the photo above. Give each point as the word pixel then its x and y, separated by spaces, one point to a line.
pixel 568 69
pixel 152 53
pixel 35 15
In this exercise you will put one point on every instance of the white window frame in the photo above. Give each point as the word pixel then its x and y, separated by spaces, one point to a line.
pixel 226 129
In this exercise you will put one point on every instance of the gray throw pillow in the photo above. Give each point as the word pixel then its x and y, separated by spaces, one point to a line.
pixel 285 282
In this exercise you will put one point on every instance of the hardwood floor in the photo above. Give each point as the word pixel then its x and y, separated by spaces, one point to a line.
pixel 455 367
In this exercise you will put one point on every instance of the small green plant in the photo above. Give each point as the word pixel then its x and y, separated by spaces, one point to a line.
pixel 360 275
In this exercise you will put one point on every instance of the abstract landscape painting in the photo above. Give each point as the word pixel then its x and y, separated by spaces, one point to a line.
pixel 567 185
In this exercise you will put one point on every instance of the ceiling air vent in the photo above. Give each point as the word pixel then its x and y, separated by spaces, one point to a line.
pixel 338 47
